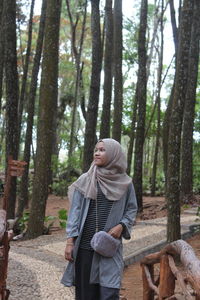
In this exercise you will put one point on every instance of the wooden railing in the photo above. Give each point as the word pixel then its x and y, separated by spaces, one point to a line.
pixel 15 168
pixel 185 274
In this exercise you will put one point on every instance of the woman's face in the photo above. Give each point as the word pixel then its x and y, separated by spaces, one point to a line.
pixel 100 154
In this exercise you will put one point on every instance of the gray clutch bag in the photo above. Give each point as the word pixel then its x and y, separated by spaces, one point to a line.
pixel 104 244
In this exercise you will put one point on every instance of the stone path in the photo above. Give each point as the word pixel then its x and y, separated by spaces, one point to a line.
pixel 36 266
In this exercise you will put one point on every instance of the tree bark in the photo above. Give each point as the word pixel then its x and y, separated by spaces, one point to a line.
pixel 1 47
pixel 11 94
pixel 189 111
pixel 158 101
pixel 107 97
pixel 141 99
pixel 118 80
pixel 23 194
pixel 77 52
pixel 25 71
pixel 92 111
pixel 47 109
pixel 181 77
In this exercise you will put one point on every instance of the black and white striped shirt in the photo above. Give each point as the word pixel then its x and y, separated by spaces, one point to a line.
pixel 101 211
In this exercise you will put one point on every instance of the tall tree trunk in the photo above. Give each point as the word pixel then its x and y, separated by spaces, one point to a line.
pixel 107 97
pixel 118 80
pixel 189 111
pixel 173 172
pixel 47 109
pixel 173 23
pixel 92 111
pixel 77 52
pixel 1 47
pixel 25 71
pixel 166 121
pixel 132 137
pixel 141 99
pixel 154 171
pixel 23 194
pixel 11 94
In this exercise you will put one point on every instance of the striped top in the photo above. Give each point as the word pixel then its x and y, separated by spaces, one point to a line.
pixel 101 212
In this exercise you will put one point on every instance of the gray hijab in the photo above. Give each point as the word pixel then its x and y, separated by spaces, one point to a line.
pixel 111 177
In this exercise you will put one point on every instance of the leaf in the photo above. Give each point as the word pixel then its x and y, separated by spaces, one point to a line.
pixel 62 214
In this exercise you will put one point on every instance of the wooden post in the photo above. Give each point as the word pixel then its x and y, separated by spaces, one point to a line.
pixel 4 293
pixel 148 293
pixel 14 168
pixel 167 279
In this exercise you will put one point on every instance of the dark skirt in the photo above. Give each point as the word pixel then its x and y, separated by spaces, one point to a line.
pixel 83 289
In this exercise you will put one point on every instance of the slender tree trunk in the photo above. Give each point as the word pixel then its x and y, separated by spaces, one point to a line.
pixel 132 137
pixel 11 94
pixel 166 121
pixel 181 77
pixel 1 47
pixel 189 111
pixel 77 52
pixel 23 195
pixel 107 97
pixel 92 111
pixel 154 171
pixel 25 71
pixel 47 108
pixel 118 80
pixel 141 99
pixel 174 26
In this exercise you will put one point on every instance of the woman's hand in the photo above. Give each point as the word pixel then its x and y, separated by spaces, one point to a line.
pixel 116 231
pixel 68 251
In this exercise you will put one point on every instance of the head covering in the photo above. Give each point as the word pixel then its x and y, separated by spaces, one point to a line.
pixel 111 177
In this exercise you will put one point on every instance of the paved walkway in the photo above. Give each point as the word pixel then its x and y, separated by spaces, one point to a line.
pixel 36 266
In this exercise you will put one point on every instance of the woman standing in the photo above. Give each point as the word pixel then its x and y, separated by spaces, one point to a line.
pixel 103 199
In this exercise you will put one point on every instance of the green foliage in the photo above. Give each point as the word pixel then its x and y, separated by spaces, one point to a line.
pixel 62 215
pixel 23 221
pixel 59 187
pixel 48 222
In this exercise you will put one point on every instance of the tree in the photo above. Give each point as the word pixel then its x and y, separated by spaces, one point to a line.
pixel 189 110
pixel 23 194
pixel 141 100
pixel 11 94
pixel 108 58
pixel 1 48
pixel 77 47
pixel 47 109
pixel 166 121
pixel 92 110
pixel 118 81
pixel 175 131
pixel 25 71
pixel 158 102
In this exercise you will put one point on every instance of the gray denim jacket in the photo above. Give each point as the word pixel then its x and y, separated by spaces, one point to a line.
pixel 105 271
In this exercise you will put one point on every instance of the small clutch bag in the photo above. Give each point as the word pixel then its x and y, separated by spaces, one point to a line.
pixel 104 244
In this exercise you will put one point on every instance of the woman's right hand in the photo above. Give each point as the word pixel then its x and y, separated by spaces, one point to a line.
pixel 68 251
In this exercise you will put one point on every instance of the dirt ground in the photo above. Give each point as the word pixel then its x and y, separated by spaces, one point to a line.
pixel 153 207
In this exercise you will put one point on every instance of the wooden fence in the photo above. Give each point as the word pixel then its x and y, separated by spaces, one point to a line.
pixel 178 268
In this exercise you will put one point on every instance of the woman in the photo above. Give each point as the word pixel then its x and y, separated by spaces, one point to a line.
pixel 102 199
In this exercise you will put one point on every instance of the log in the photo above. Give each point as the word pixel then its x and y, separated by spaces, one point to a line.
pixel 179 277
pixel 166 276
pixel 148 286
pixel 189 261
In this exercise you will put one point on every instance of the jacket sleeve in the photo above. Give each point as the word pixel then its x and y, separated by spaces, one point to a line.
pixel 130 213
pixel 73 220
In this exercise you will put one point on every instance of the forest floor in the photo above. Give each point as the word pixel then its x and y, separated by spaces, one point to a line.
pixel 153 207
